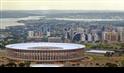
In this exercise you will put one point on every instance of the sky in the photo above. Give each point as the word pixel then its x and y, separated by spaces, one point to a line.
pixel 62 4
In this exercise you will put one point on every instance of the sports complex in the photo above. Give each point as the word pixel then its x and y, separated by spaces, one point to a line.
pixel 45 52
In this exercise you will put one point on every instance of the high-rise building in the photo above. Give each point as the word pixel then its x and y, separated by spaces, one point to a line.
pixel 95 37
pixel 67 34
pixel 89 37
pixel 48 33
pixel 77 37
pixel 33 34
pixel 83 37
pixel 30 34
pixel 122 36
pixel 120 31
pixel 80 30
pixel 95 34
pixel 110 36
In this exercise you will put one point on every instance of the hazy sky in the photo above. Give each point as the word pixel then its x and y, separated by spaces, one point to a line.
pixel 62 4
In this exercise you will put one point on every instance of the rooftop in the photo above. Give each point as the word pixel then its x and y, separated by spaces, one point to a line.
pixel 46 45
pixel 98 51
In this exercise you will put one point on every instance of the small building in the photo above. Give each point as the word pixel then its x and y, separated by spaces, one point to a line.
pixel 100 52
pixel 55 39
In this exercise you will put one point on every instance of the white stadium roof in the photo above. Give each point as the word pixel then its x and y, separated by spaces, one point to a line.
pixel 56 46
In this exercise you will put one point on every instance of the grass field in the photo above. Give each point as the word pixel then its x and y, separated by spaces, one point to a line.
pixel 102 60
pixel 3 57
pixel 2 53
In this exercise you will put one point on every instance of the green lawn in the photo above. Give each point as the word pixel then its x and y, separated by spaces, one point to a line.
pixel 103 59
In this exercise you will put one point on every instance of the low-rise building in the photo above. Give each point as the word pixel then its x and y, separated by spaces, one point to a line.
pixel 55 39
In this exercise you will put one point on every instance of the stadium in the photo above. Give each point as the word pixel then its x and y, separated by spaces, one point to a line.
pixel 45 52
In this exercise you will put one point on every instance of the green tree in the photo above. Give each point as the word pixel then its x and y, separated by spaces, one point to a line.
pixel 3 65
pixel 111 65
pixel 21 64
pixel 122 63
pixel 27 64
pixel 11 64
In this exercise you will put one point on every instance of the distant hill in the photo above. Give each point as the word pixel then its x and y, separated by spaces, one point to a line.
pixel 16 14
pixel 63 13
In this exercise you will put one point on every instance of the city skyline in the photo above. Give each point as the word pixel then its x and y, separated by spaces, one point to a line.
pixel 62 5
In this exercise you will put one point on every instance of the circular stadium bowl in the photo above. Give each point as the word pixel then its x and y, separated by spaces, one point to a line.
pixel 45 52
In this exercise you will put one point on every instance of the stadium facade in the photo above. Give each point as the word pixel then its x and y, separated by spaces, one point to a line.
pixel 45 52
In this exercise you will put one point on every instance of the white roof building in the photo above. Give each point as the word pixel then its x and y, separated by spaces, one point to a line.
pixel 99 51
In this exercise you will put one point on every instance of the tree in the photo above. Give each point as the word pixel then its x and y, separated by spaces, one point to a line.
pixel 88 45
pixel 2 44
pixel 122 63
pixel 2 65
pixel 21 65
pixel 111 65
pixel 11 64
pixel 27 64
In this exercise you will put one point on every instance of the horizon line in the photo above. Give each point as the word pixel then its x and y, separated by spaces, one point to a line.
pixel 59 10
